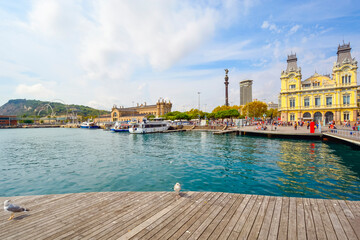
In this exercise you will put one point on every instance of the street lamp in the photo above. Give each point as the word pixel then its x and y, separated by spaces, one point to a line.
pixel 199 100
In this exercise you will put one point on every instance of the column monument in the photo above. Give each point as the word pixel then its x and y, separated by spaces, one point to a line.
pixel 226 87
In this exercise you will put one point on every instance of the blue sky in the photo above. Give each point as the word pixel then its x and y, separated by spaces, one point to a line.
pixel 105 52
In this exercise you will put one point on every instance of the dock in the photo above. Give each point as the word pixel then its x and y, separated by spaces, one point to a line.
pixel 193 215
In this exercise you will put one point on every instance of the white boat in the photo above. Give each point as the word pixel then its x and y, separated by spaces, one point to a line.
pixel 120 127
pixel 88 125
pixel 158 125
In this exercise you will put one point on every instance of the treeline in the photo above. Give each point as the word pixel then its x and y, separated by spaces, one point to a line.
pixel 255 109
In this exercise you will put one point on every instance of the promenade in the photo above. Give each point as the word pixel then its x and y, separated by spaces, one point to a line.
pixel 194 215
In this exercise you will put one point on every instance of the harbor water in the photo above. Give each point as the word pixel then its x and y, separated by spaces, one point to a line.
pixel 52 161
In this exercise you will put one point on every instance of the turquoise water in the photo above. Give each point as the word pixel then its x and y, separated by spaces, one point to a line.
pixel 49 161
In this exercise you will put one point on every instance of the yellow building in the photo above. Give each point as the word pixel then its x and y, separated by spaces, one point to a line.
pixel 137 113
pixel 321 97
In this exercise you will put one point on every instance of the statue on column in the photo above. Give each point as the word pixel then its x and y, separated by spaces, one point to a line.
pixel 226 87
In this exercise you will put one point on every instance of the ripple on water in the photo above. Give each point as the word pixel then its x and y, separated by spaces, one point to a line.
pixel 46 161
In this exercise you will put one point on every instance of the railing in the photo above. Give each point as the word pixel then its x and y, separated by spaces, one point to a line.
pixel 346 133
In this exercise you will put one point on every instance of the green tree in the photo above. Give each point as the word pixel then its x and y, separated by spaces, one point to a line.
pixel 255 109
pixel 272 112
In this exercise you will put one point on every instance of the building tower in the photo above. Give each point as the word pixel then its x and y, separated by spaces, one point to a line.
pixel 245 91
pixel 226 87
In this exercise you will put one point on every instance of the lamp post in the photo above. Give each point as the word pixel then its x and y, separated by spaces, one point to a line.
pixel 199 100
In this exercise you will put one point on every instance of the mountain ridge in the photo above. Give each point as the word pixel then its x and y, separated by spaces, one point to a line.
pixel 27 108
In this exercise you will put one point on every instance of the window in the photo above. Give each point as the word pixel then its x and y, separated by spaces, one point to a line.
pixel 317 101
pixel 292 117
pixel 306 85
pixel 328 101
pixel 346 116
pixel 346 99
pixel 115 114
pixel 346 79
pixel 306 102
pixel 292 86
pixel 316 84
pixel 292 102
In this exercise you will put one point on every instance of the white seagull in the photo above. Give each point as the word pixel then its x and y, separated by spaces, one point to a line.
pixel 177 188
pixel 9 207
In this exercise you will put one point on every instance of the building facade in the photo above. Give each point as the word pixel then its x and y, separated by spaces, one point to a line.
pixel 321 97
pixel 8 120
pixel 137 113
pixel 245 91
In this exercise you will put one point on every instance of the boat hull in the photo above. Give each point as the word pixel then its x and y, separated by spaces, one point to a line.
pixel 148 130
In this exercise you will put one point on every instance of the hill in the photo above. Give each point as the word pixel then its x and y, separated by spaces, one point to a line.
pixel 28 108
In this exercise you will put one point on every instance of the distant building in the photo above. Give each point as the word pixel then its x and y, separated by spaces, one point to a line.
pixel 8 120
pixel 272 105
pixel 245 91
pixel 162 107
pixel 321 97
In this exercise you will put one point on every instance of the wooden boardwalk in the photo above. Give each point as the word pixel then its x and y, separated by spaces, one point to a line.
pixel 194 215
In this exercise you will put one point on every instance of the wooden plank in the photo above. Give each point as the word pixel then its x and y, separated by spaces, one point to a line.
pixel 226 219
pixel 232 223
pixel 335 220
pixel 309 221
pixel 265 227
pixel 343 220
pixel 284 219
pixel 158 215
pixel 82 222
pixel 219 218
pixel 329 229
pixel 292 231
pixel 245 214
pixel 41 216
pixel 204 217
pixel 181 227
pixel 125 222
pixel 354 221
pixel 251 219
pixel 75 216
pixel 205 221
pixel 152 219
pixel 318 224
pixel 275 221
pixel 172 216
pixel 147 214
pixel 176 226
pixel 300 219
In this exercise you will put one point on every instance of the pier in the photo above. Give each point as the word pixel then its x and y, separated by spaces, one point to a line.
pixel 193 215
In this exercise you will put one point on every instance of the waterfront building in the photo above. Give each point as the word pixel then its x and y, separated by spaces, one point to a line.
pixel 245 91
pixel 8 120
pixel 162 107
pixel 321 97
pixel 272 105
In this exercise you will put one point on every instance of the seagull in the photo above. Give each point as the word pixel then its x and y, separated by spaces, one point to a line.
pixel 177 188
pixel 9 207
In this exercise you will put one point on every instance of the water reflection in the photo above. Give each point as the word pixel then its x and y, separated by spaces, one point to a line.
pixel 315 163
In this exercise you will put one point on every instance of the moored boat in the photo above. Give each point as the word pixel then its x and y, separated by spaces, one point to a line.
pixel 146 126
pixel 120 127
pixel 89 125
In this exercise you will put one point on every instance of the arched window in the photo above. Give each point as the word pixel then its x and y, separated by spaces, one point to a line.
pixel 115 114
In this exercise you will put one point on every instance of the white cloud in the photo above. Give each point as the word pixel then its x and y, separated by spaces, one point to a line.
pixel 34 91
pixel 270 26
pixel 294 29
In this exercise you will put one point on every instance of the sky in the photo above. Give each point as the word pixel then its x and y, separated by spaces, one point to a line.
pixel 104 52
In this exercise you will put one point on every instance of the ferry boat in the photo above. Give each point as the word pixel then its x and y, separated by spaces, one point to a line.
pixel 158 125
pixel 89 125
pixel 120 127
